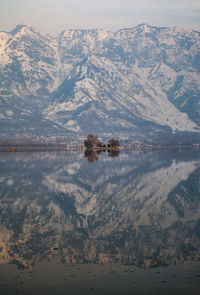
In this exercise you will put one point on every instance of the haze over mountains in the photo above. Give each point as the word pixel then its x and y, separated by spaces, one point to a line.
pixel 139 79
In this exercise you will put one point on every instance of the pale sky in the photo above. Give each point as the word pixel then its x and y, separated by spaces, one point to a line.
pixel 53 16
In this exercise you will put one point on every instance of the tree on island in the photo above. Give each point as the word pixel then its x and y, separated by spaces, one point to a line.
pixel 91 141
pixel 113 143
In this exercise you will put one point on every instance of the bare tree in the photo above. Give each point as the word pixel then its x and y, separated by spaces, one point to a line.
pixel 91 141
pixel 113 143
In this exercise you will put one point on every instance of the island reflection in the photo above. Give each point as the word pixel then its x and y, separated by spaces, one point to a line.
pixel 141 208
pixel 93 155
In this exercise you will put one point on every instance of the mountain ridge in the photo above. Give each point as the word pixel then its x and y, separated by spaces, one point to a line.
pixel 133 79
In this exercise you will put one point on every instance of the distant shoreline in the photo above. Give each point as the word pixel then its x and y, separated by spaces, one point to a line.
pixel 46 148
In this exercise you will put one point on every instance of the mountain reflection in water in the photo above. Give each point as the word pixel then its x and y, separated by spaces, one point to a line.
pixel 141 208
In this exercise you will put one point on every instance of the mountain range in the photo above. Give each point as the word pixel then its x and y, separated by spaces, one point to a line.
pixel 140 79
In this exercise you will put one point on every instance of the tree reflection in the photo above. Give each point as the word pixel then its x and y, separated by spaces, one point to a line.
pixel 93 156
pixel 113 153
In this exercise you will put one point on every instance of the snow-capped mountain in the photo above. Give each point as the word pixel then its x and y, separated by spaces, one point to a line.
pixel 142 78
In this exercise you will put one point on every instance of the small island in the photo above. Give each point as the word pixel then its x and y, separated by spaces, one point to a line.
pixel 93 143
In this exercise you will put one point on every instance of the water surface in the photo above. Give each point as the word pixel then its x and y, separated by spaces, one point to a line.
pixel 140 209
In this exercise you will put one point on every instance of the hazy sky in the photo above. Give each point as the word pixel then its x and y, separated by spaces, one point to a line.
pixel 52 16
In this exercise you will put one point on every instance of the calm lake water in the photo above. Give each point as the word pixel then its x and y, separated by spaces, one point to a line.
pixel 140 209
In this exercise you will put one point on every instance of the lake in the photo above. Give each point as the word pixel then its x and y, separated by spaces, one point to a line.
pixel 100 223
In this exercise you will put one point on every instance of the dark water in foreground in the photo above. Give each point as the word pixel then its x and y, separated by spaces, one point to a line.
pixel 135 208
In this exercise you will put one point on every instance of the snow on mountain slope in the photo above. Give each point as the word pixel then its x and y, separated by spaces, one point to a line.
pixel 119 96
pixel 32 67
pixel 142 78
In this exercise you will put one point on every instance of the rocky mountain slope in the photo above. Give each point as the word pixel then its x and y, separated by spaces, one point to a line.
pixel 143 78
